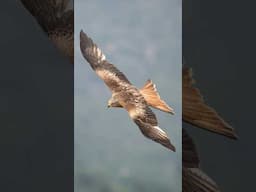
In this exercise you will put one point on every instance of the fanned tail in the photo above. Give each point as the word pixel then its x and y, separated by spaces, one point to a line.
pixel 153 99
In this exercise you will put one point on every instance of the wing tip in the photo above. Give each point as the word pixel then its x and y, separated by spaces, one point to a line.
pixel 233 135
pixel 90 50
pixel 230 131
pixel 83 36
pixel 82 33
pixel 169 146
pixel 172 148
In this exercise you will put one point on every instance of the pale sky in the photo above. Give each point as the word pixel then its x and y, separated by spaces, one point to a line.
pixel 143 39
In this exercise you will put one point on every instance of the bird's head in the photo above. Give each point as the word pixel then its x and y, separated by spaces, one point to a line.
pixel 113 102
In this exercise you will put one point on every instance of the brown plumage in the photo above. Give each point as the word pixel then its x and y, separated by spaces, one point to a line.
pixel 58 22
pixel 196 112
pixel 124 94
pixel 152 97
pixel 56 18
pixel 193 178
pixel 190 158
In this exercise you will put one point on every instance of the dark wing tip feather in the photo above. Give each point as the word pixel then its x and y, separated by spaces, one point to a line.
pixel 90 51
pixel 154 133
pixel 161 137
pixel 113 78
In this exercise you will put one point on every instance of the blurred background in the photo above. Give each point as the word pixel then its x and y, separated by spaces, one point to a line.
pixel 143 39
pixel 36 113
pixel 220 48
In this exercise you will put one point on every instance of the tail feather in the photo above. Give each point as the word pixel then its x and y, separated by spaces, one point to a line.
pixel 153 99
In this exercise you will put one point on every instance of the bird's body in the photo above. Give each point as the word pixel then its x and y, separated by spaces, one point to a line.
pixel 125 95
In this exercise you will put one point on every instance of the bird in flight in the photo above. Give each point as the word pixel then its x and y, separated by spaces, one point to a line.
pixel 125 95
pixel 193 178
pixel 196 112
pixel 56 17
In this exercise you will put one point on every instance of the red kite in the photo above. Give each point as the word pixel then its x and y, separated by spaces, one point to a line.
pixel 127 96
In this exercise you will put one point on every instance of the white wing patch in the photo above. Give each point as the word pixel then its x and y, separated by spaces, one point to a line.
pixel 101 56
pixel 161 131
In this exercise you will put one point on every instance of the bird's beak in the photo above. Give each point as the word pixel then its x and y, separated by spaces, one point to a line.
pixel 108 105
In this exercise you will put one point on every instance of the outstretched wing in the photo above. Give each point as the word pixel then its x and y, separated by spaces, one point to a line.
pixel 190 158
pixel 56 18
pixel 196 112
pixel 113 78
pixel 146 120
pixel 51 14
pixel 195 180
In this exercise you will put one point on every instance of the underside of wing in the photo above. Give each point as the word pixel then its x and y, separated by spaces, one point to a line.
pixel 190 157
pixel 196 112
pixel 159 136
pixel 56 17
pixel 155 133
pixel 195 180
pixel 147 122
pixel 113 78
pixel 51 14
